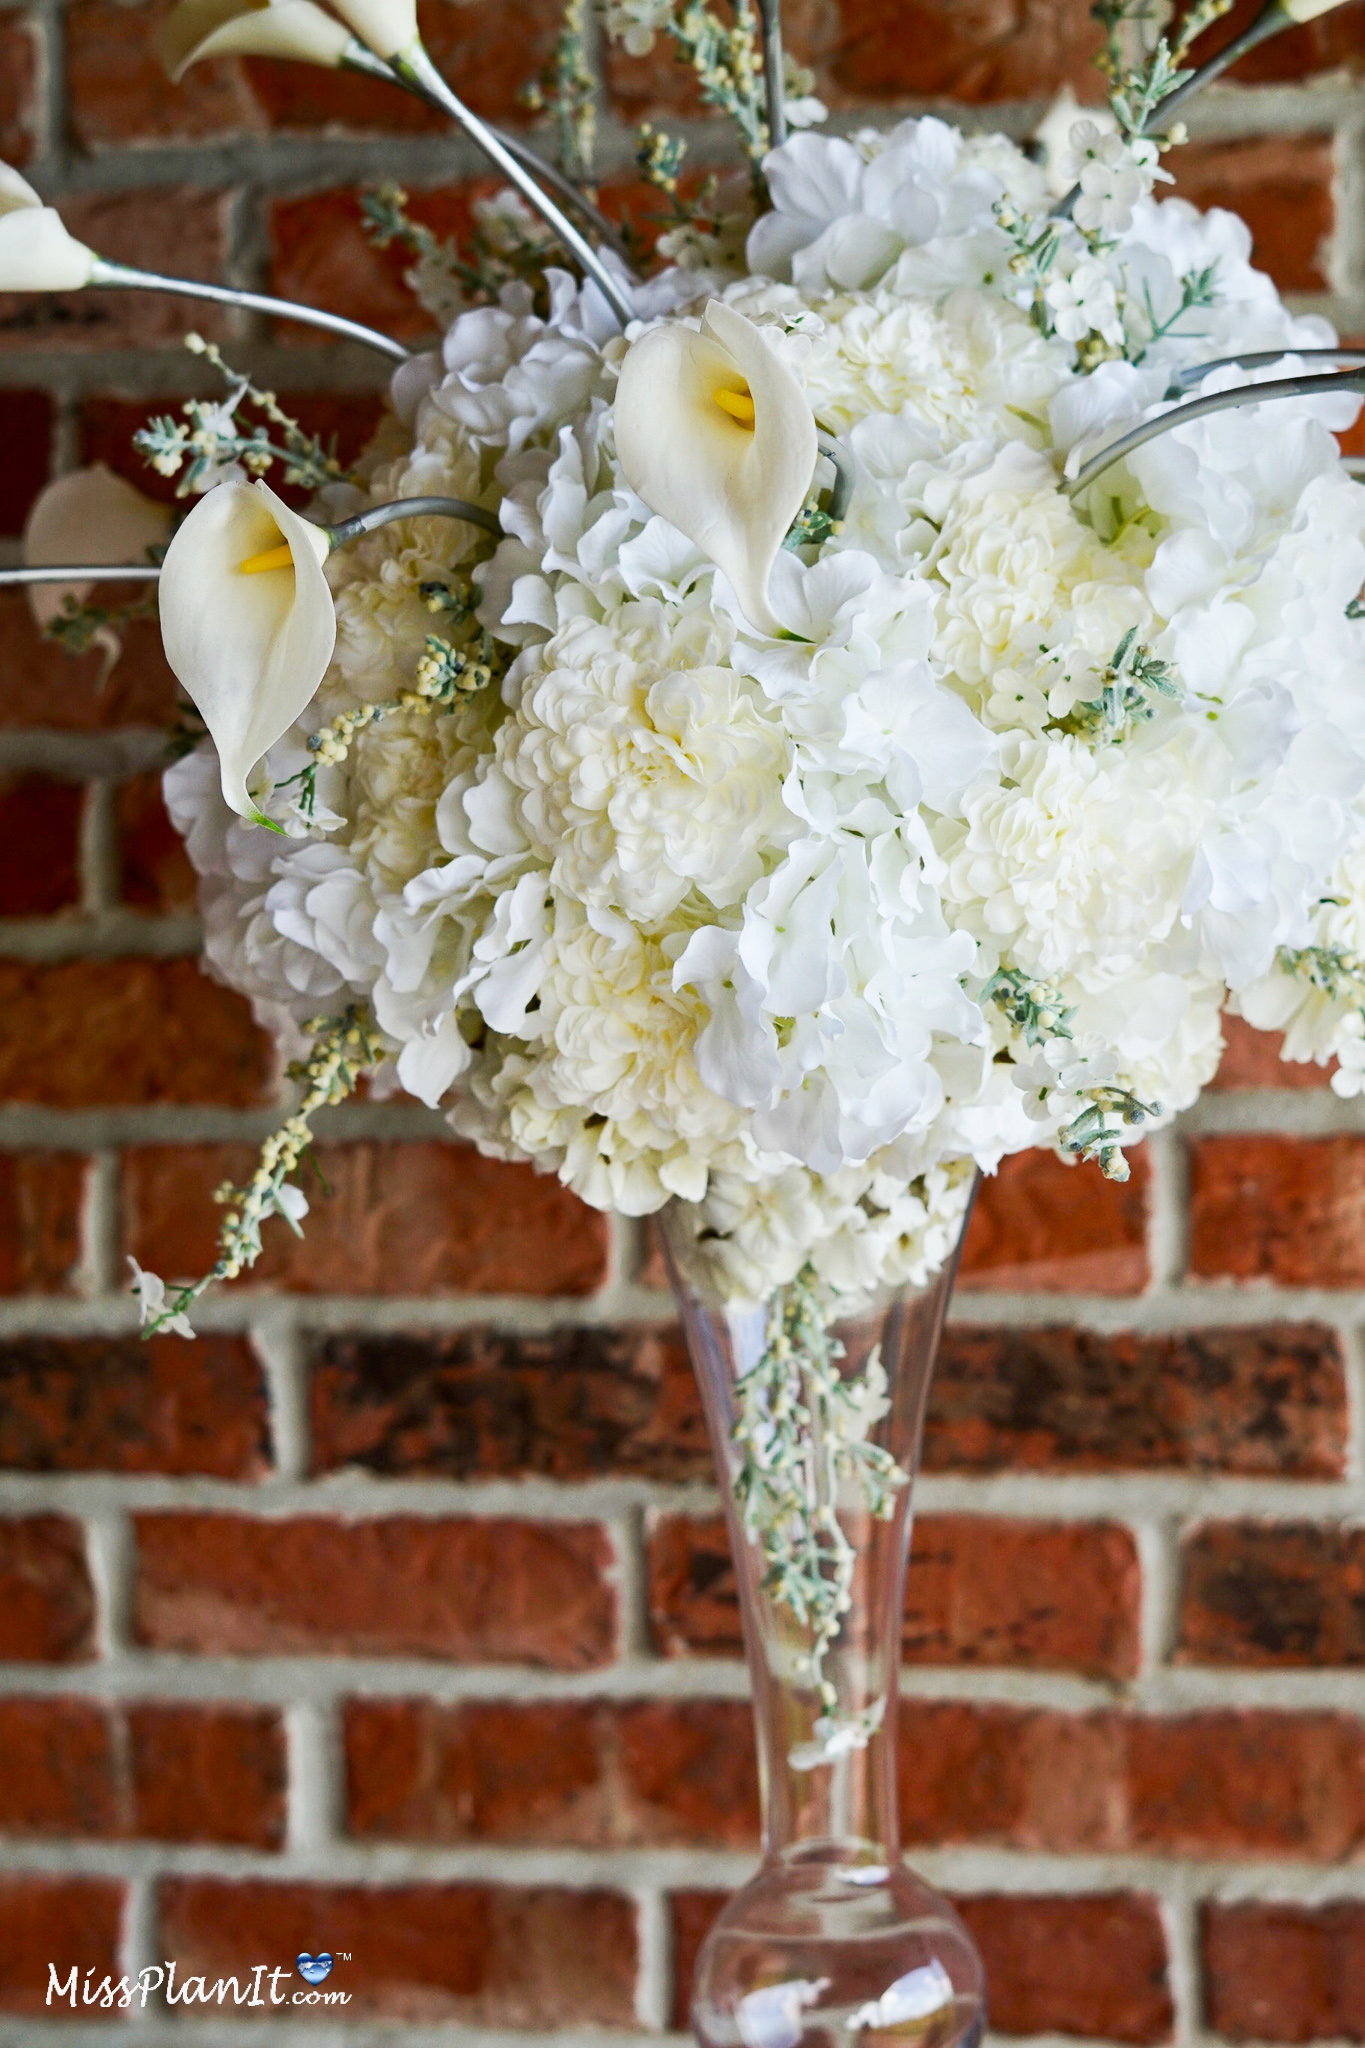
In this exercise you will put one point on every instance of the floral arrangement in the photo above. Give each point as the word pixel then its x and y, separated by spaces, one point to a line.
pixel 785 730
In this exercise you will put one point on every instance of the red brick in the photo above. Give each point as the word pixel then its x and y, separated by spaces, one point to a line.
pixel 62 1920
pixel 489 1404
pixel 982 51
pixel 47 1603
pixel 154 868
pixel 174 230
pixel 40 825
pixel 1291 1210
pixel 167 1772
pixel 1084 1965
pixel 41 1196
pixel 119 1404
pixel 401 1218
pixel 1044 1226
pixel 1285 1973
pixel 42 685
pixel 322 257
pixel 1268 1401
pixel 691 1916
pixel 583 1774
pixel 980 1590
pixel 206 1774
pixel 482 1591
pixel 1251 1059
pixel 480 1955
pixel 26 419
pixel 85 1033
pixel 18 88
pixel 117 89
pixel 1281 186
pixel 1216 1784
pixel 1273 1593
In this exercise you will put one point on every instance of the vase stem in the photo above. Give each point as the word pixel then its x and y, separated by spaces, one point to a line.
pixel 815 1419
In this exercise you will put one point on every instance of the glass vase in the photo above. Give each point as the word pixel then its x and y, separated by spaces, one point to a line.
pixel 815 1426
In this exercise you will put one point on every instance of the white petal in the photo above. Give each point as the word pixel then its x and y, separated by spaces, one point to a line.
pixel 15 191
pixel 219 28
pixel 388 26
pixel 733 490
pixel 250 651
pixel 90 516
pixel 37 254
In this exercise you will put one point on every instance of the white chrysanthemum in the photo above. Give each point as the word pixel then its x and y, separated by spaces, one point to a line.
pixel 643 768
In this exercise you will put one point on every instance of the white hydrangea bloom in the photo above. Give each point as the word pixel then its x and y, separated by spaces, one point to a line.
pixel 803 928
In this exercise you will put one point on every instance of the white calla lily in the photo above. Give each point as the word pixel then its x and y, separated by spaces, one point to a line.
pixel 251 28
pixel 716 434
pixel 36 252
pixel 92 516
pixel 388 27
pixel 1308 10
pixel 248 623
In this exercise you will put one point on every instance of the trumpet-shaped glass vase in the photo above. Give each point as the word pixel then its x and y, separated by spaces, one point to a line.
pixel 815 1426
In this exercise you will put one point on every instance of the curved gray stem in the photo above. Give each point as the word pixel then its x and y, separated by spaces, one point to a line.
pixel 842 494
pixel 414 68
pixel 1262 358
pixel 121 277
pixel 774 64
pixel 356 57
pixel 84 572
pixel 1200 408
pixel 411 508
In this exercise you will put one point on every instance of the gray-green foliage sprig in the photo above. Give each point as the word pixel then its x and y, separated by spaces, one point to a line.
pixel 728 67
pixel 802 1430
pixel 1037 1011
pixel 481 268
pixel 1137 89
pixel 211 435
pixel 567 91
pixel 1333 971
pixel 1130 685
pixel 344 1048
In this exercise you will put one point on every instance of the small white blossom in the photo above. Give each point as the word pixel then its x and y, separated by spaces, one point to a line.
pixel 151 1295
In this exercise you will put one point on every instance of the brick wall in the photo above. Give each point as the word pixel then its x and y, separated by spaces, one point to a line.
pixel 393 1618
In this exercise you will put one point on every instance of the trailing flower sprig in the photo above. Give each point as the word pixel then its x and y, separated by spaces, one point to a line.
pixel 567 91
pixel 211 435
pixel 803 1433
pixel 344 1048
pixel 1063 1068
pixel 1134 679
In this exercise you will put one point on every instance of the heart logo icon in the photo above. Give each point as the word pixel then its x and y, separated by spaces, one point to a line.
pixel 314 1968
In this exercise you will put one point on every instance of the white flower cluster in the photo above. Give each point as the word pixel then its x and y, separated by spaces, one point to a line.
pixel 802 929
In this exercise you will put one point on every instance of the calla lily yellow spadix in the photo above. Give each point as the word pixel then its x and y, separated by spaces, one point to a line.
pixel 247 618
pixel 716 434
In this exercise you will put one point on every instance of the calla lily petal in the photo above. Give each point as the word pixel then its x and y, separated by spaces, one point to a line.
pixel 249 650
pixel 1309 10
pixel 688 450
pixel 388 27
pixel 227 28
pixel 89 516
pixel 36 252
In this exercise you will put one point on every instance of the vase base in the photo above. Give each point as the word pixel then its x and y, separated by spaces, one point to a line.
pixel 830 1949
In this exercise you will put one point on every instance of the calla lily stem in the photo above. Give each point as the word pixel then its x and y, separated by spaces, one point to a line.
pixel 774 83
pixel 1200 408
pixel 347 530
pixel 415 69
pixel 84 572
pixel 1262 358
pixel 122 277
pixel 842 494
pixel 412 508
pixel 356 57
